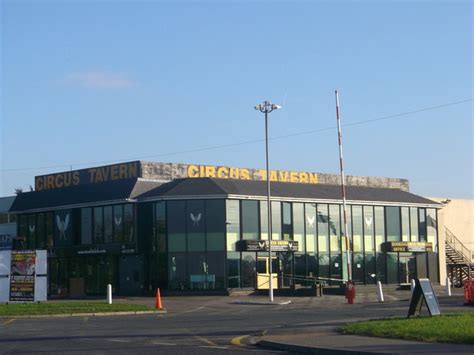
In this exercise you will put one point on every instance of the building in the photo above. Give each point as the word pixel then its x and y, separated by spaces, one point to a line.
pixel 141 225
pixel 7 223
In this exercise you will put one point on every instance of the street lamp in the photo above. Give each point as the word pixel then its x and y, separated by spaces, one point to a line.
pixel 266 107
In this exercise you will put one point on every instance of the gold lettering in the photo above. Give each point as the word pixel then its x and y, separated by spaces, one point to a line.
pixel 92 173
pixel 50 182
pixel 105 173
pixel 313 178
pixel 263 174
pixel 202 171
pixel 293 177
pixel 123 171
pixel 67 179
pixel 283 176
pixel 39 184
pixel 58 180
pixel 273 175
pixel 98 176
pixel 210 171
pixel 245 174
pixel 303 178
pixel 76 178
pixel 193 171
pixel 114 172
pixel 233 173
pixel 223 173
pixel 132 170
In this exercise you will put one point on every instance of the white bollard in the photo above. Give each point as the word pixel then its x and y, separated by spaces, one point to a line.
pixel 109 294
pixel 448 286
pixel 413 284
pixel 380 292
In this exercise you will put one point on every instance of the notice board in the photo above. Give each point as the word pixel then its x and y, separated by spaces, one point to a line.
pixel 423 293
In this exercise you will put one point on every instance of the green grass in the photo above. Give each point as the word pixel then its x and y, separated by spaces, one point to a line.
pixel 68 307
pixel 450 328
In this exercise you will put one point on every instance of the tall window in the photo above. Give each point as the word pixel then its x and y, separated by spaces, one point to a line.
pixel 250 221
pixel 128 228
pixel 233 224
pixel 357 228
pixel 413 224
pixel 323 232
pixel 334 227
pixel 405 224
pixel 310 220
pixel 287 227
pixel 369 242
pixel 118 224
pixel 392 220
pixel 86 225
pixel 108 226
pixel 176 223
pixel 263 220
pixel 276 220
pixel 298 225
pixel 422 224
pixel 98 225
pixel 196 225
pixel 379 227
pixel 432 227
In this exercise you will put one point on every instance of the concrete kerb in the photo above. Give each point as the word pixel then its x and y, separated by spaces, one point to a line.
pixel 304 349
pixel 97 314
pixel 262 303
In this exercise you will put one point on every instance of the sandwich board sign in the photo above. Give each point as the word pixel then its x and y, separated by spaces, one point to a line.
pixel 423 293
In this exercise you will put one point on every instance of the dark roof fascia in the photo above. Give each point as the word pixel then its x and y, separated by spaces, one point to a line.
pixel 79 205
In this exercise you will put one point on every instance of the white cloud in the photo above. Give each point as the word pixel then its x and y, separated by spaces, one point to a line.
pixel 98 79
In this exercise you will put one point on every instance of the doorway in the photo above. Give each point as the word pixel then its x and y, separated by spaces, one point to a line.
pixel 407 264
pixel 263 272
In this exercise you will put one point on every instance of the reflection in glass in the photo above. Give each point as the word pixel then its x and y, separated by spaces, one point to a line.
pixel 379 227
pixel 335 227
pixel 233 224
pixel 250 215
pixel 299 225
pixel 369 237
pixel 392 222
pixel 357 228
pixel 276 220
pixel 405 224
pixel 323 230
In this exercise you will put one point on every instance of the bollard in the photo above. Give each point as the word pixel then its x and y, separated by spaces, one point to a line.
pixel 380 292
pixel 448 286
pixel 109 294
pixel 413 284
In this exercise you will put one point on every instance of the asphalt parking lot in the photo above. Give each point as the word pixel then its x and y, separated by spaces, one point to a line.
pixel 205 324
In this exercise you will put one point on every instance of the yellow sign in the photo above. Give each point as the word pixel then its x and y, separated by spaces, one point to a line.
pixel 88 176
pixel 223 172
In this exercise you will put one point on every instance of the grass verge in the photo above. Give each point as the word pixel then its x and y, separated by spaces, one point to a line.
pixel 449 328
pixel 22 309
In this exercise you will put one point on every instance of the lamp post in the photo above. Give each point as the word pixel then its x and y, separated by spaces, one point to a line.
pixel 266 107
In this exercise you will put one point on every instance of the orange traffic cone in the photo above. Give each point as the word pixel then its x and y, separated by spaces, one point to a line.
pixel 158 304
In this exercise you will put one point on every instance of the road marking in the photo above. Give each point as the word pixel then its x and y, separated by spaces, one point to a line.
pixel 9 321
pixel 237 341
pixel 119 340
pixel 213 347
pixel 204 340
pixel 161 343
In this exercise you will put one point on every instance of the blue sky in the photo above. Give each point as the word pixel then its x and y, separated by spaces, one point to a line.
pixel 85 82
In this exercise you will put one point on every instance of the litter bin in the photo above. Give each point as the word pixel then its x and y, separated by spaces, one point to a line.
pixel 469 291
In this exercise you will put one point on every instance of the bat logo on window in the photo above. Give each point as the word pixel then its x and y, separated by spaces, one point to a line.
pixel 32 228
pixel 62 226
pixel 311 220
pixel 195 218
pixel 261 245
pixel 368 222
pixel 118 221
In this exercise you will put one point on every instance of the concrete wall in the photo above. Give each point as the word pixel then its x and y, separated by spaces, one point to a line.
pixel 458 215
pixel 170 171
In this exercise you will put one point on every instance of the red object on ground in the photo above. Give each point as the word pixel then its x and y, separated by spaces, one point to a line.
pixel 469 290
pixel 350 292
pixel 158 304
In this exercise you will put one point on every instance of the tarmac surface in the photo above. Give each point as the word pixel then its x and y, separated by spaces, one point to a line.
pixel 219 324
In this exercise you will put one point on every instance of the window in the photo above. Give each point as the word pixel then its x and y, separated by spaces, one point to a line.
pixel 298 226
pixel 432 228
pixel 405 224
pixel 160 227
pixel 31 232
pixel 86 225
pixel 287 227
pixel 215 225
pixel 98 225
pixel 250 221
pixel 276 220
pixel 128 228
pixel 413 224
pixel 379 228
pixel 176 227
pixel 196 225
pixel 108 225
pixel 357 228
pixel 263 220
pixel 369 241
pixel 233 223
pixel 334 227
pixel 392 221
pixel 422 224
pixel 118 223
pixel 323 232
pixel 310 220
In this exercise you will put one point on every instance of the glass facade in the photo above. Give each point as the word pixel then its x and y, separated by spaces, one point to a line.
pixel 193 244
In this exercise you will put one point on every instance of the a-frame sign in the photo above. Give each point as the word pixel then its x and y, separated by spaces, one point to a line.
pixel 423 292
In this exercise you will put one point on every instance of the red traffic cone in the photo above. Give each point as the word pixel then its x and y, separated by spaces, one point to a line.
pixel 158 304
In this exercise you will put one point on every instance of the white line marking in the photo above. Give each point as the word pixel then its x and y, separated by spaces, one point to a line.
pixel 119 340
pixel 160 343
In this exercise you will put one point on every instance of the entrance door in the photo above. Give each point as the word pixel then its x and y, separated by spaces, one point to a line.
pixel 407 268
pixel 263 273
pixel 131 275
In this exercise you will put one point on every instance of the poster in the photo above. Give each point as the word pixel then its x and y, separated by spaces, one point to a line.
pixel 22 275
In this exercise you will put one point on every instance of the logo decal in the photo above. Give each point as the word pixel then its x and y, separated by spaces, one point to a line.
pixel 32 228
pixel 196 218
pixel 310 220
pixel 368 222
pixel 62 226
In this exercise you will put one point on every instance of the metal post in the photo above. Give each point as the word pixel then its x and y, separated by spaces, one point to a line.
pixel 343 188
pixel 269 213
pixel 266 107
